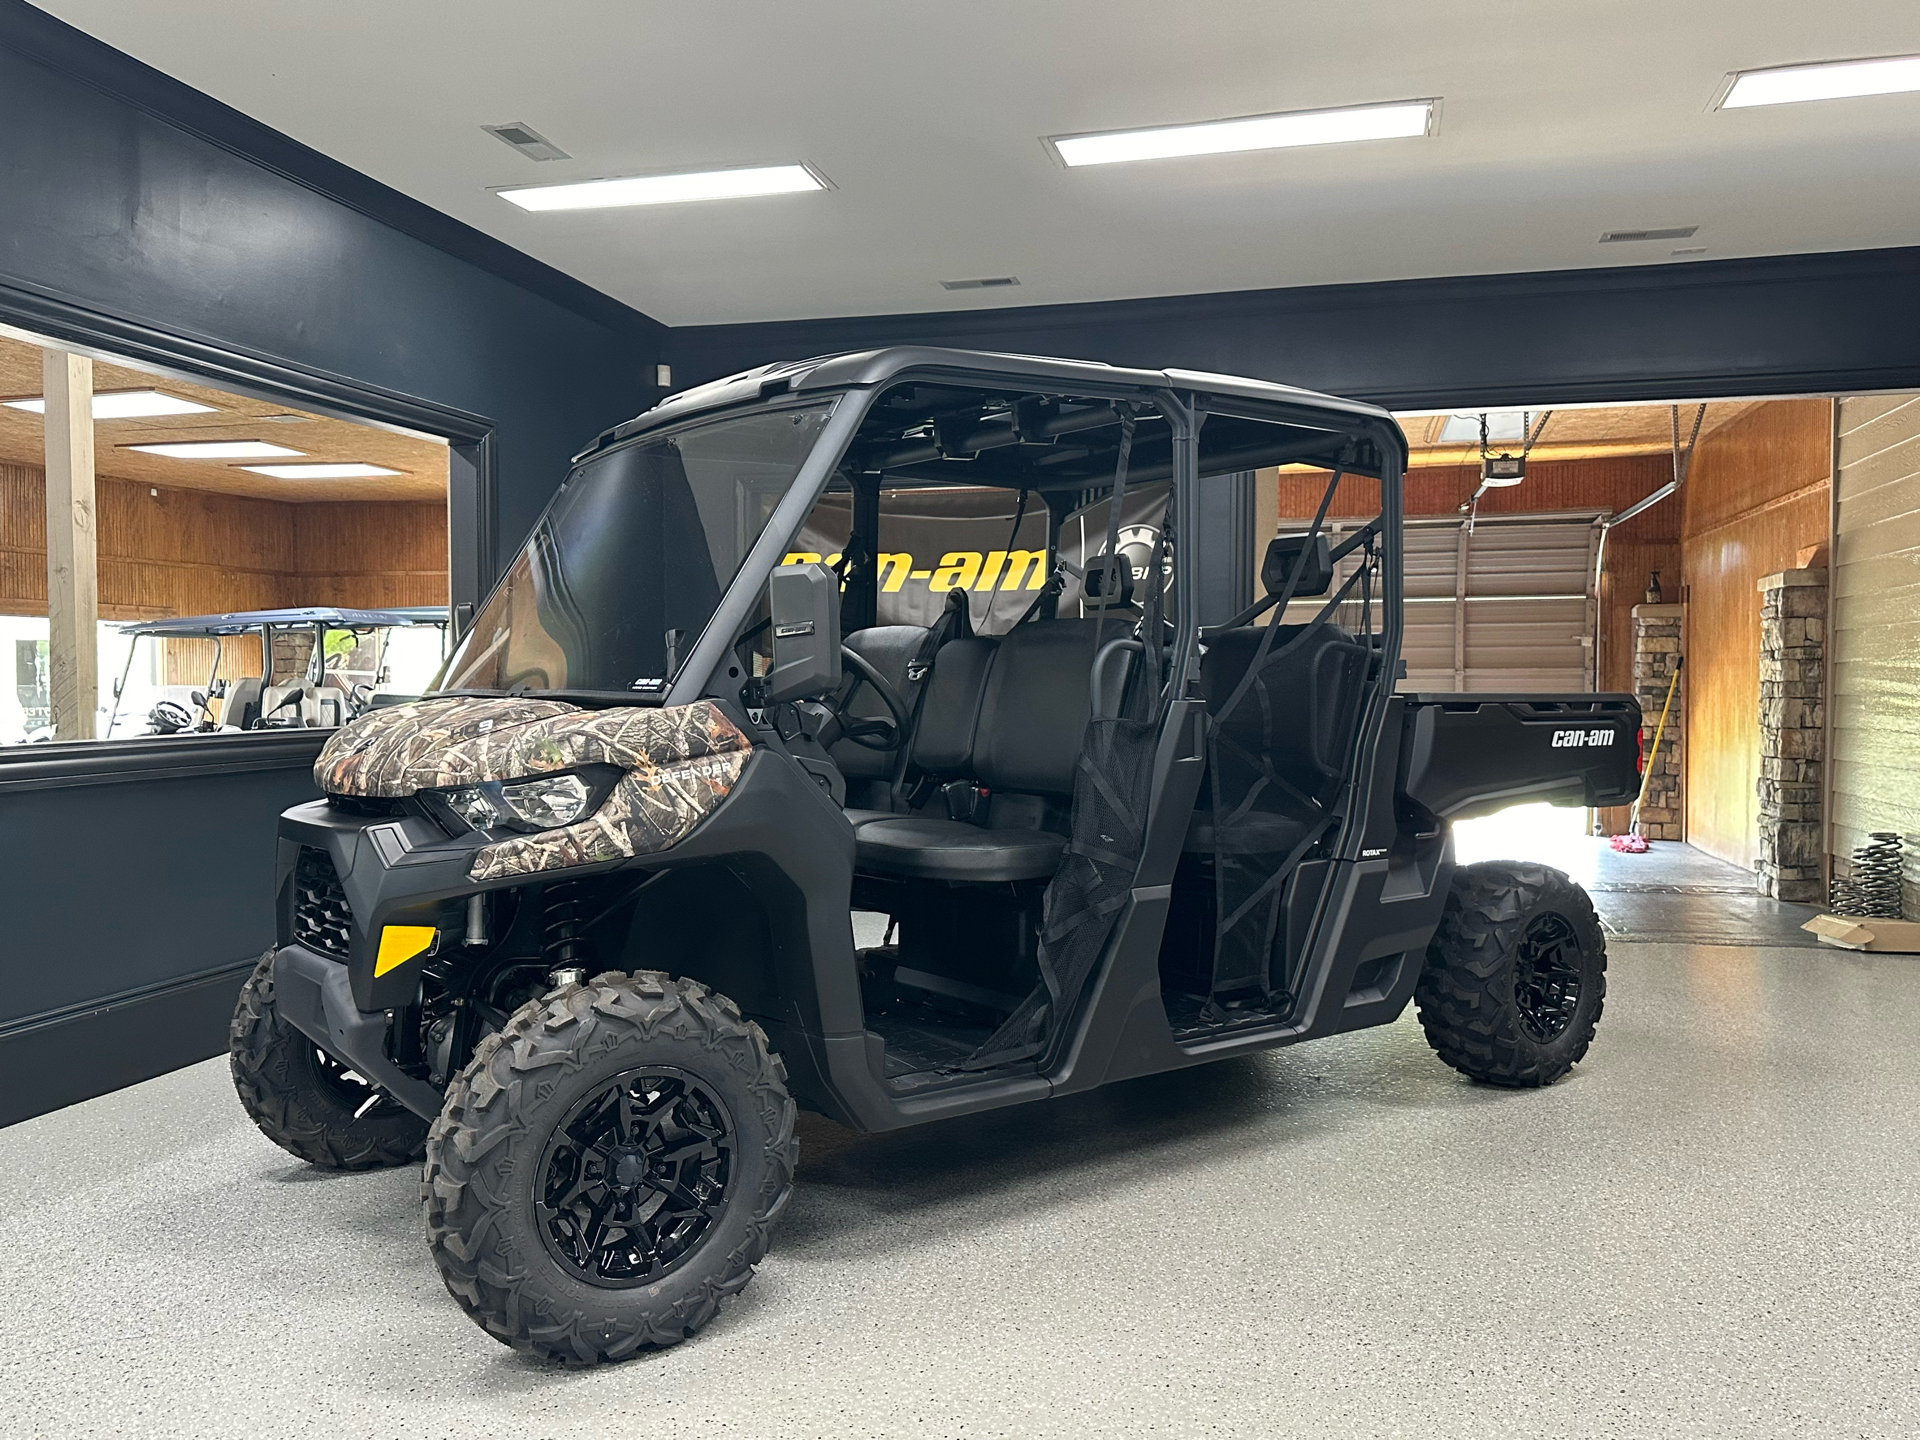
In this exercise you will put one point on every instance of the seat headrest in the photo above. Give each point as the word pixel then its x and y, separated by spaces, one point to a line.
pixel 1284 551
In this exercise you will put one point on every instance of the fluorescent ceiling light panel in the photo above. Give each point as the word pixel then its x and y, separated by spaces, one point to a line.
pixel 321 470
pixel 1465 429
pixel 1399 120
pixel 666 189
pixel 218 450
pixel 125 405
pixel 1839 80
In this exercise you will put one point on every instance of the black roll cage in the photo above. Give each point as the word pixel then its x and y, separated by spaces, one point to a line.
pixel 1362 439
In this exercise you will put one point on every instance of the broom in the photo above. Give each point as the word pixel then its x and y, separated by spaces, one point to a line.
pixel 1633 842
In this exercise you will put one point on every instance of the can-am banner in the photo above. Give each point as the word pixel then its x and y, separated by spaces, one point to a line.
pixel 933 541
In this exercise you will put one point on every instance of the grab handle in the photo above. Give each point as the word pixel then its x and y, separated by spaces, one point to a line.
pixel 1095 680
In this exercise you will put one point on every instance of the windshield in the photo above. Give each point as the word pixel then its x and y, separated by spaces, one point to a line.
pixel 641 541
pixel 388 660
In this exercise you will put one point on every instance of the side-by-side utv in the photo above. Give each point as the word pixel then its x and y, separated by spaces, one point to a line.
pixel 343 663
pixel 578 927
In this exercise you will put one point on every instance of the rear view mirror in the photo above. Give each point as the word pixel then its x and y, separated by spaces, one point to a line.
pixel 1283 553
pixel 805 601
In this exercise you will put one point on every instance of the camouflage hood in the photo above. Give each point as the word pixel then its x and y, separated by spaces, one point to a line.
pixel 432 744
pixel 681 763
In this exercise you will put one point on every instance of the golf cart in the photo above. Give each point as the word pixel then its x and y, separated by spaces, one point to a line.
pixel 320 666
pixel 577 926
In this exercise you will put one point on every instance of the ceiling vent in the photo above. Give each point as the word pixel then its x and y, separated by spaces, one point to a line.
pixel 527 140
pixel 991 282
pixel 1672 232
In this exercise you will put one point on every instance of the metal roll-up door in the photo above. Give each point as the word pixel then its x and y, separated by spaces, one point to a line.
pixel 1529 617
pixel 1429 639
pixel 1506 607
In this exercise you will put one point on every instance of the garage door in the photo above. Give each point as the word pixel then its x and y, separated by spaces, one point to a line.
pixel 1506 608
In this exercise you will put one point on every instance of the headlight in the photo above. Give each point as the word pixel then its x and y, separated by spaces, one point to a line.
pixel 550 801
pixel 541 802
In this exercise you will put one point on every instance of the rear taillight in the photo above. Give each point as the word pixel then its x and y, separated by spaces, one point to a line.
pixel 1639 751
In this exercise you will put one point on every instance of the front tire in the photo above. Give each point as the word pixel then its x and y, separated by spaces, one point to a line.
pixel 1516 975
pixel 608 1167
pixel 307 1102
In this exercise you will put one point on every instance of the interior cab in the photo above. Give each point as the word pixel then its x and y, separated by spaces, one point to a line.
pixel 958 733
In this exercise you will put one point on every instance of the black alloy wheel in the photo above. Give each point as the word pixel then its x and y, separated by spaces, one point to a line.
pixel 307 1102
pixel 348 1088
pixel 1546 977
pixel 634 1177
pixel 609 1166
pixel 1516 974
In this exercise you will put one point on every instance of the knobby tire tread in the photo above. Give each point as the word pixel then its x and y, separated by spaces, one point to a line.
pixel 1465 993
pixel 271 1065
pixel 544 1042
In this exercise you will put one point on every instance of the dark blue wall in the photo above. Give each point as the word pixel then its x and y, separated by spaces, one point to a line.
pixel 144 219
pixel 1782 325
pixel 131 196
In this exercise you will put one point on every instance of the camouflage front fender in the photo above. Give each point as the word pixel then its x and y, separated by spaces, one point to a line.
pixel 681 762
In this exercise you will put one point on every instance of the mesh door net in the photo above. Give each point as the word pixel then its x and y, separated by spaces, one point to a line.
pixel 1278 761
pixel 1278 756
pixel 1111 784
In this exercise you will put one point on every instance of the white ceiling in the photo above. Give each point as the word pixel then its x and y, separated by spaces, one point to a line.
pixel 1560 120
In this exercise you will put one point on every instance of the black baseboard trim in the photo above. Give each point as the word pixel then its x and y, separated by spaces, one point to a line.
pixel 60 1058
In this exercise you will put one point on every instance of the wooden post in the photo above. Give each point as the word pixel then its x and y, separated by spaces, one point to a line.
pixel 73 592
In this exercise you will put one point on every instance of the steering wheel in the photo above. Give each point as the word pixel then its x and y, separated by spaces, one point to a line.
pixel 170 717
pixel 359 699
pixel 869 734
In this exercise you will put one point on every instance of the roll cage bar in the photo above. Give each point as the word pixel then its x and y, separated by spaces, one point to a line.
pixel 915 415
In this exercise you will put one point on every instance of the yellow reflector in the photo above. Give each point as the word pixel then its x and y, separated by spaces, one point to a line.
pixel 400 943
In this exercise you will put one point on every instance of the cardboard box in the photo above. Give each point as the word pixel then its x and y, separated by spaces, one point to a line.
pixel 1896 937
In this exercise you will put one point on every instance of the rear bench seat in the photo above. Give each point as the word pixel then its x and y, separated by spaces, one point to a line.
pixel 1009 714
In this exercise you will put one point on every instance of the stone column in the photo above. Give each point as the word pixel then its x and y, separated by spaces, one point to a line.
pixel 292 653
pixel 1656 658
pixel 1793 622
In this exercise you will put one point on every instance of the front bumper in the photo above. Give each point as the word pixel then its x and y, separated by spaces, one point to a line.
pixel 313 994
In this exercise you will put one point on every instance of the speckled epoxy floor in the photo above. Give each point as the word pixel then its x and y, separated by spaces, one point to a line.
pixel 1709 1229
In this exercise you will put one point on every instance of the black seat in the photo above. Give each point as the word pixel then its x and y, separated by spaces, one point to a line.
pixel 1315 680
pixel 869 772
pixel 1023 748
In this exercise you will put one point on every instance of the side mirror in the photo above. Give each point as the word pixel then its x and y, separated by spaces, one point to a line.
pixel 805 601
pixel 199 698
pixel 1284 552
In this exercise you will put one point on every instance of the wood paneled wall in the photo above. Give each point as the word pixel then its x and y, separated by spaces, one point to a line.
pixel 194 552
pixel 372 553
pixel 1873 654
pixel 1756 495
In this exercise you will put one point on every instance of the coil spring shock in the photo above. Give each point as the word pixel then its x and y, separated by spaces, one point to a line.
pixel 563 946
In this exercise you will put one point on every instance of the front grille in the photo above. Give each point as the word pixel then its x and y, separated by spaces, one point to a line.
pixel 322 919
pixel 367 805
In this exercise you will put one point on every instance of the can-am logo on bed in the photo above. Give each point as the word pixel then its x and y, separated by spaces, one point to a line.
pixel 1573 739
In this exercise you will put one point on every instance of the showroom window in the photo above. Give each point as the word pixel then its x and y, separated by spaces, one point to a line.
pixel 254 565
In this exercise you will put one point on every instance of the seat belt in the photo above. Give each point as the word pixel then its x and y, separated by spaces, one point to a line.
pixel 955 622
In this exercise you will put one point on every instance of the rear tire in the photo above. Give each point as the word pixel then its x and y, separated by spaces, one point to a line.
pixel 608 1167
pixel 304 1100
pixel 1516 975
